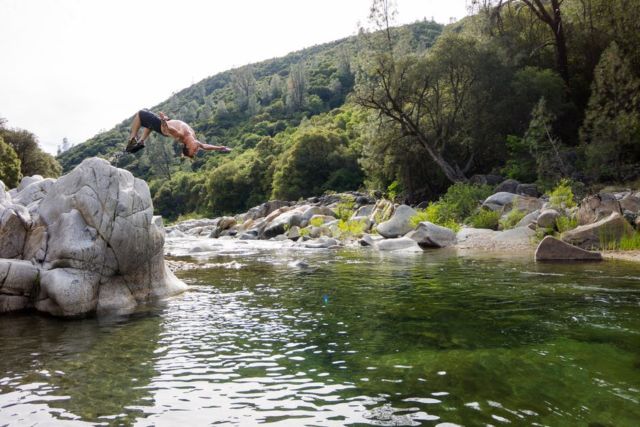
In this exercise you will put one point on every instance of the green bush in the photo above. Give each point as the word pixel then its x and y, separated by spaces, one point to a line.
pixel 484 218
pixel 565 223
pixel 460 201
pixel 562 195
pixel 316 222
pixel 351 228
pixel 345 208
pixel 512 219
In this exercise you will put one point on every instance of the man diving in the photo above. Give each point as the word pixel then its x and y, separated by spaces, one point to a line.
pixel 176 129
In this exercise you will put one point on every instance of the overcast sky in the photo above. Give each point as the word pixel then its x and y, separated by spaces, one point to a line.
pixel 72 68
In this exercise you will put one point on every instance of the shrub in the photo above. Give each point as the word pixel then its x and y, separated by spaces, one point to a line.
pixel 316 222
pixel 351 228
pixel 458 203
pixel 562 195
pixel 565 223
pixel 484 218
pixel 512 219
pixel 345 208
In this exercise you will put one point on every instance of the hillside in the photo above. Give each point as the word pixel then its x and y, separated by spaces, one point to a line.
pixel 409 111
pixel 238 107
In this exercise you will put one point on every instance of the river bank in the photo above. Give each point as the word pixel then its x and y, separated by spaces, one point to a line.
pixel 522 219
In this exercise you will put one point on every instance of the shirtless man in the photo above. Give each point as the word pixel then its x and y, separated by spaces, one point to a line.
pixel 176 129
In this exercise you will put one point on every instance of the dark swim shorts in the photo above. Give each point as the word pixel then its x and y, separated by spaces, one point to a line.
pixel 150 121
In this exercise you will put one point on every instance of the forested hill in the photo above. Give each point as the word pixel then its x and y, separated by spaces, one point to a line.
pixel 536 91
pixel 240 106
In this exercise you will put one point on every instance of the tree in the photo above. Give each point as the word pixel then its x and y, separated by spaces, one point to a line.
pixel 611 130
pixel 318 160
pixel 552 18
pixel 9 165
pixel 545 148
pixel 296 88
pixel 244 88
pixel 275 87
pixel 426 95
pixel 33 161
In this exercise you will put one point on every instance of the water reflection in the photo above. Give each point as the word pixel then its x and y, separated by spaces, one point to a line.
pixel 347 338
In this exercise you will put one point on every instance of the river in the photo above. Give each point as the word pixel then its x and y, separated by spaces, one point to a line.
pixel 269 334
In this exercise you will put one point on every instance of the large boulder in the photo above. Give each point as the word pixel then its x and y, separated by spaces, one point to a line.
pixel 599 234
pixel 547 218
pixel 93 240
pixel 399 244
pixel 15 223
pixel 312 211
pixel 431 235
pixel 631 203
pixel 265 209
pixel 281 223
pixel 399 224
pixel 552 249
pixel 507 186
pixel 33 192
pixel 596 207
pixel 498 201
pixel 529 219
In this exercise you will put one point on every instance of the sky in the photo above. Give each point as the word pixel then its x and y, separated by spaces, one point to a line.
pixel 73 68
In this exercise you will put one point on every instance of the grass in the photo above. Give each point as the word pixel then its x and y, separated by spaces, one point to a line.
pixel 430 214
pixel 512 219
pixel 565 223
pixel 628 242
pixel 351 228
pixel 316 222
pixel 484 218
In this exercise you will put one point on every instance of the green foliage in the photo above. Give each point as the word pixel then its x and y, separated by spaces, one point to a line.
pixel 9 165
pixel 520 164
pixel 611 130
pixel 316 222
pixel 461 199
pixel 351 229
pixel 482 94
pixel 316 159
pixel 544 147
pixel 562 195
pixel 434 215
pixel 484 218
pixel 33 161
pixel 630 242
pixel 458 203
pixel 345 208
pixel 393 190
pixel 511 219
pixel 180 195
pixel 565 223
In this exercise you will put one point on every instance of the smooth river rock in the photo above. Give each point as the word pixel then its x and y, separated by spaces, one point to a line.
pixel 607 230
pixel 92 238
pixel 431 235
pixel 399 224
pixel 552 249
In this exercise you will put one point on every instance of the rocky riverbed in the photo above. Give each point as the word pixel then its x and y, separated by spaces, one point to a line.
pixel 320 222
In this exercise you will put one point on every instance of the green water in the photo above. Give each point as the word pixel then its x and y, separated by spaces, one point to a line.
pixel 355 338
